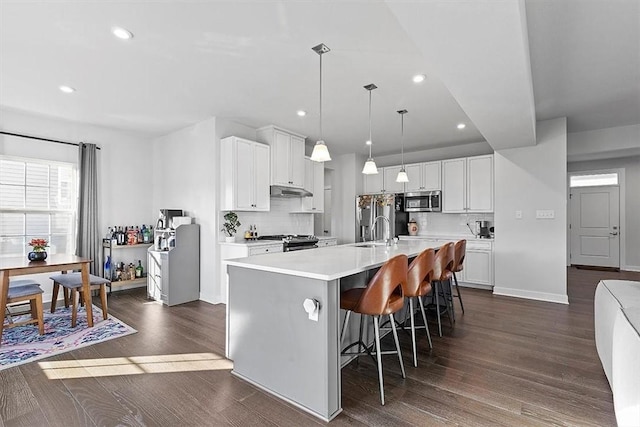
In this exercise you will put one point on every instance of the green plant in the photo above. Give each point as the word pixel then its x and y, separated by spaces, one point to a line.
pixel 230 227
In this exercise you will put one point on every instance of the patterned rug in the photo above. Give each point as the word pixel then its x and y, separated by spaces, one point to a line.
pixel 23 344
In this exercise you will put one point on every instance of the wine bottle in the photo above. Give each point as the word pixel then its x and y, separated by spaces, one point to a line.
pixel 107 268
pixel 139 270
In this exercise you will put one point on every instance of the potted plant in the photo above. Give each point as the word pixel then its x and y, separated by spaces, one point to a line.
pixel 39 249
pixel 230 227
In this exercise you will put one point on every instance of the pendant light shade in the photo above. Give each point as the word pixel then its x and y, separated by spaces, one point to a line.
pixel 402 175
pixel 370 167
pixel 320 150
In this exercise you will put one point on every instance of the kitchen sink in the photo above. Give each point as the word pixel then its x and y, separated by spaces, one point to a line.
pixel 370 245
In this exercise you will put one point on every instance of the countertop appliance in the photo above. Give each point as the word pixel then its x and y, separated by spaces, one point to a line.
pixel 294 242
pixel 380 216
pixel 165 219
pixel 483 229
pixel 423 201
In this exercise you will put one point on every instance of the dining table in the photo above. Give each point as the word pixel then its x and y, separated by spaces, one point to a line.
pixel 11 266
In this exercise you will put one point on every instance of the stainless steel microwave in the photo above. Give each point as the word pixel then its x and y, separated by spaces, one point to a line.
pixel 423 201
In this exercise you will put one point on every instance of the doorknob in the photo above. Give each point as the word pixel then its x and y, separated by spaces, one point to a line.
pixel 615 233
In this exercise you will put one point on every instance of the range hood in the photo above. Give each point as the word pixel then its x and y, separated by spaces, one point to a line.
pixel 285 192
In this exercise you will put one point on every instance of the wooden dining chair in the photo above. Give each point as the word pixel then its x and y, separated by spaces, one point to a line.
pixel 26 291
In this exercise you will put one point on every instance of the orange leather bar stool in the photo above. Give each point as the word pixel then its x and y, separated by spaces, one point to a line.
pixel 460 251
pixel 382 296
pixel 418 285
pixel 442 274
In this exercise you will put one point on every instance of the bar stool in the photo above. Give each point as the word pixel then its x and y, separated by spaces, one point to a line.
pixel 442 273
pixel 73 282
pixel 460 251
pixel 25 290
pixel 382 296
pixel 418 285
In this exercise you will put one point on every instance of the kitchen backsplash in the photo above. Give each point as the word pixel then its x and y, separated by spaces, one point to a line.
pixel 439 223
pixel 278 220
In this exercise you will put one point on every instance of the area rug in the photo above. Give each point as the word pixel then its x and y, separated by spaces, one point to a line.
pixel 23 344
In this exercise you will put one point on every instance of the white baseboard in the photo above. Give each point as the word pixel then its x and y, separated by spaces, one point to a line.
pixel 635 268
pixel 539 296
pixel 476 286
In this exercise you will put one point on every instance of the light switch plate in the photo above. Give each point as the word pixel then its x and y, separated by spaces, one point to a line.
pixel 545 214
pixel 518 214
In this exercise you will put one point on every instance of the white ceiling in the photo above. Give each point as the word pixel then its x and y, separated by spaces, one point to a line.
pixel 252 62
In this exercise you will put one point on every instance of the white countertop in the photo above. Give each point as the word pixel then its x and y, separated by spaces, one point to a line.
pixel 333 262
pixel 254 243
pixel 452 237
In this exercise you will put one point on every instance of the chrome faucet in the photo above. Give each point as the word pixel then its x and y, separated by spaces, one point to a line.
pixel 387 240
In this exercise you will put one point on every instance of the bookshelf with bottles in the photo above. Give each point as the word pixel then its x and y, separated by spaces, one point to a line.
pixel 122 264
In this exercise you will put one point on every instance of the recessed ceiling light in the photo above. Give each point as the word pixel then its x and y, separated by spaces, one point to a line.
pixel 461 126
pixel 67 89
pixel 419 78
pixel 368 142
pixel 122 33
pixel 301 113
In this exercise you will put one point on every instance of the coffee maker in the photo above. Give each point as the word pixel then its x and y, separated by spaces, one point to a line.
pixel 483 229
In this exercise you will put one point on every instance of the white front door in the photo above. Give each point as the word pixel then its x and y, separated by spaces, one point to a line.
pixel 595 231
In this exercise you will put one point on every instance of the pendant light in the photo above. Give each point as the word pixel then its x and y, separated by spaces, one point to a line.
pixel 320 150
pixel 370 167
pixel 402 175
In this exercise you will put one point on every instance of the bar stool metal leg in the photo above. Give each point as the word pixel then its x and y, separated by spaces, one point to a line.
pixel 395 338
pixel 458 292
pixel 376 330
pixel 413 333
pixel 344 328
pixel 424 318
pixel 436 292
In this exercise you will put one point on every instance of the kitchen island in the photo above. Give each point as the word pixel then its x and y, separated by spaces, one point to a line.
pixel 275 343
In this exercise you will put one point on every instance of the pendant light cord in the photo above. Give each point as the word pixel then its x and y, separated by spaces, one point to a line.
pixel 402 138
pixel 321 138
pixel 370 141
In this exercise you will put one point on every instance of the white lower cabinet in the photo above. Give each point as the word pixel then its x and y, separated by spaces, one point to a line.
pixel 478 263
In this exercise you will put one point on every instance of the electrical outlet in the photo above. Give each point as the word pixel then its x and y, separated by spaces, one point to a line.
pixel 518 214
pixel 545 214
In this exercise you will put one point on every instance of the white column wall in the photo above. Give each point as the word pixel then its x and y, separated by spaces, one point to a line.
pixel 530 254
pixel 347 184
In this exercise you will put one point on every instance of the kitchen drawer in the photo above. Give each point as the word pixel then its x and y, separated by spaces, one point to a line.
pixel 265 250
pixel 479 245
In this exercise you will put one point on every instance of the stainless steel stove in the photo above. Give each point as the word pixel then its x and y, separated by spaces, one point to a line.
pixel 294 242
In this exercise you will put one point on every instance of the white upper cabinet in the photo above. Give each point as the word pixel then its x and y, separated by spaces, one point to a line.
pixel 454 185
pixel 374 183
pixel 313 182
pixel 480 183
pixel 244 175
pixel 390 184
pixel 287 155
pixel 423 177
pixel 467 184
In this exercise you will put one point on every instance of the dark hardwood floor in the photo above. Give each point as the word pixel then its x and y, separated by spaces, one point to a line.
pixel 507 361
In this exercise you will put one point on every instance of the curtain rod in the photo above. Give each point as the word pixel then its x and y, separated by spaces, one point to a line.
pixel 41 139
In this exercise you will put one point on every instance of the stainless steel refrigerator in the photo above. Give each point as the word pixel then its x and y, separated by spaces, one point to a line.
pixel 372 206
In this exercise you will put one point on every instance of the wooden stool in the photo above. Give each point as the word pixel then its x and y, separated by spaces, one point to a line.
pixel 460 251
pixel 73 282
pixel 27 291
pixel 418 285
pixel 382 296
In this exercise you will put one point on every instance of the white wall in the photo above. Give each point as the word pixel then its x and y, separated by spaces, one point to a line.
pixel 621 141
pixel 347 183
pixel 124 162
pixel 185 177
pixel 530 255
pixel 630 259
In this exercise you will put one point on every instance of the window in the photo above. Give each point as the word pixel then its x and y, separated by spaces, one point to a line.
pixel 593 180
pixel 38 199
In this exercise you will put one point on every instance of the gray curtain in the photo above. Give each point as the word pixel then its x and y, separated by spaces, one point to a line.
pixel 88 244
